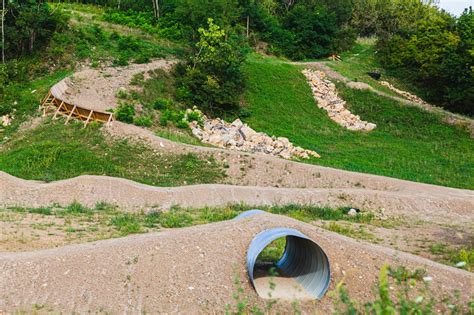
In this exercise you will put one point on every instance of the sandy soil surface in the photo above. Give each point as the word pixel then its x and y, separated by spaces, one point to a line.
pixel 456 208
pixel 97 89
pixel 188 270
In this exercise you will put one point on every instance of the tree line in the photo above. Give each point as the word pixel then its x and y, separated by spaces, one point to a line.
pixel 416 41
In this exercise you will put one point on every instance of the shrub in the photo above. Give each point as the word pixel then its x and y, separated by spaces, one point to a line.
pixel 125 113
pixel 126 224
pixel 182 124
pixel 122 94
pixel 121 61
pixel 162 103
pixel 144 121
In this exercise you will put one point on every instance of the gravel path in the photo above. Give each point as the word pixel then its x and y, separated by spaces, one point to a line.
pixel 188 270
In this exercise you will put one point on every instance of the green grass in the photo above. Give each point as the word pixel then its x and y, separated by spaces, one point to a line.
pixel 460 257
pixel 409 143
pixel 56 151
pixel 19 96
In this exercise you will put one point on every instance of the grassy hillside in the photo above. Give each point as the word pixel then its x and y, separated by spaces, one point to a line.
pixel 408 143
pixel 56 151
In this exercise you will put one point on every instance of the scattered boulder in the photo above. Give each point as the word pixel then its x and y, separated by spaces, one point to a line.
pixel 325 93
pixel 239 136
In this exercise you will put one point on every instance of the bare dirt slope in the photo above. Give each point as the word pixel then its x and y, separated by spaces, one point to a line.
pixel 97 89
pixel 188 270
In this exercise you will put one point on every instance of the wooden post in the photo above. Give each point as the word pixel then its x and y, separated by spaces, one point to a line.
pixel 49 105
pixel 109 121
pixel 88 118
pixel 70 114
pixel 58 110
pixel 44 100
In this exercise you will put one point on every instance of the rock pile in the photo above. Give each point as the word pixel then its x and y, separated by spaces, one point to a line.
pixel 6 120
pixel 411 97
pixel 325 93
pixel 239 136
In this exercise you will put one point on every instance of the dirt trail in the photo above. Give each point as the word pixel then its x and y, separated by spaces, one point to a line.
pixel 188 270
pixel 418 205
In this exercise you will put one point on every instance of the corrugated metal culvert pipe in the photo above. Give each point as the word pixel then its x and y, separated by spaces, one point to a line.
pixel 303 260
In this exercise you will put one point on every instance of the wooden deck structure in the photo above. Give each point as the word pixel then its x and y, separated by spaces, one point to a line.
pixel 50 102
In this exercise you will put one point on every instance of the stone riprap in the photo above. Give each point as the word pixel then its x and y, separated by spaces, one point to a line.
pixel 325 93
pixel 239 136
pixel 411 97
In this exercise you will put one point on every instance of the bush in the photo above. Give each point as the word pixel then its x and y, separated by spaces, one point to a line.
pixel 144 121
pixel 29 26
pixel 125 113
pixel 162 103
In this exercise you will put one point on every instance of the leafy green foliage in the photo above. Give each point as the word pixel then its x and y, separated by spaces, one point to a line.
pixel 436 55
pixel 29 26
pixel 401 291
pixel 143 121
pixel 125 112
pixel 211 78
pixel 315 32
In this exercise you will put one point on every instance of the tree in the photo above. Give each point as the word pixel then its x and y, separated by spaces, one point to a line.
pixel 211 78
pixel 28 26
pixel 156 9
pixel 3 13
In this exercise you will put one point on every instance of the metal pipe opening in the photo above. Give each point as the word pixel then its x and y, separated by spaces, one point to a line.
pixel 303 270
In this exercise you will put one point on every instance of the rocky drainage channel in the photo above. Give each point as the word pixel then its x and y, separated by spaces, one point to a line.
pixel 325 93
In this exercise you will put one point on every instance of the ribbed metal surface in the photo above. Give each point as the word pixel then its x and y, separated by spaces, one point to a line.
pixel 248 213
pixel 302 260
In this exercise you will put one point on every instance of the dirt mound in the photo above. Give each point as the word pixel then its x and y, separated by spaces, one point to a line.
pixel 188 270
pixel 96 89
pixel 134 196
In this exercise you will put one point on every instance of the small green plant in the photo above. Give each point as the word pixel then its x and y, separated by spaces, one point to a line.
pixel 174 219
pixel 400 291
pixel 76 208
pixel 42 210
pixel 122 94
pixel 126 224
pixel 121 61
pixel 144 121
pixel 162 103
pixel 274 251
pixel 125 112
pixel 182 124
